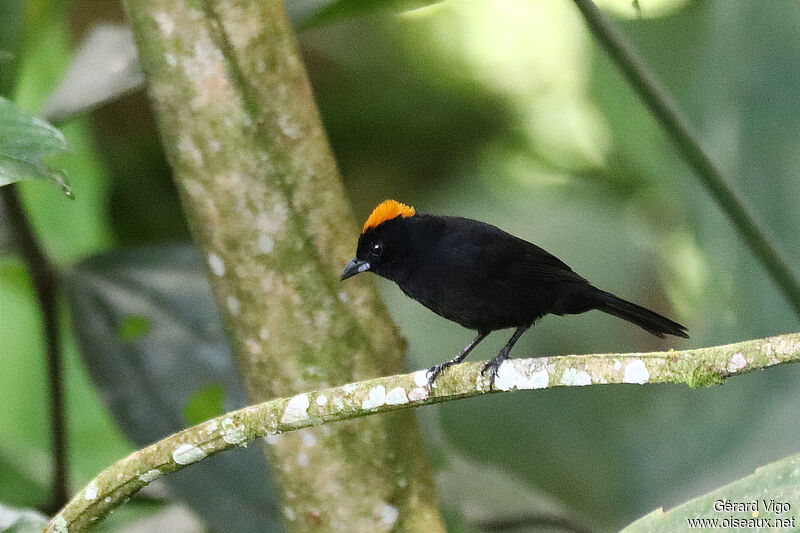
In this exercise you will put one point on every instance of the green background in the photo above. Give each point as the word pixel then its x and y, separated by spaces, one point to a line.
pixel 504 111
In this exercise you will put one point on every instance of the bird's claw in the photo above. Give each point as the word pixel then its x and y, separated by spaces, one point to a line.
pixel 492 367
pixel 433 372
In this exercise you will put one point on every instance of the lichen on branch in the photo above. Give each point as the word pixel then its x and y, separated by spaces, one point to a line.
pixel 696 368
pixel 269 215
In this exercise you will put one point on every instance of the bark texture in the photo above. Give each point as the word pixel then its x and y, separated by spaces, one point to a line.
pixel 268 212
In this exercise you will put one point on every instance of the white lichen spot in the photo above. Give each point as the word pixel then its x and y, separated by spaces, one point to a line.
pixel 60 525
pixel 288 512
pixel 617 364
pixel 375 398
pixel 107 499
pixel 233 305
pixel 569 376
pixel 265 244
pixel 343 297
pixel 636 372
pixel 189 151
pixel 785 347
pixel 253 347
pixel 350 388
pixel 309 439
pixel 602 379
pixel 573 376
pixel 186 454
pixel 302 459
pixel 233 433
pixel 263 334
pixel 165 23
pixel 321 321
pixel 338 403
pixel 421 378
pixel 271 439
pixel 418 394
pixel 214 146
pixel 212 426
pixel 216 264
pixel 296 409
pixel 170 59
pixel 150 475
pixel 522 374
pixel 194 188
pixel 321 400
pixel 387 514
pixel 397 396
pixel 402 482
pixel 737 362
pixel 205 70
pixel 90 493
pixel 288 126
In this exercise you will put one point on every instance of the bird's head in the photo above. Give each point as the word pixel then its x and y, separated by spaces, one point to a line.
pixel 378 246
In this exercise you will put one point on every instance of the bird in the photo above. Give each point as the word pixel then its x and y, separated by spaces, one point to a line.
pixel 481 277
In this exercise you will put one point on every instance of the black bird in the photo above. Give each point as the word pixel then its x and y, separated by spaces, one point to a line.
pixel 481 277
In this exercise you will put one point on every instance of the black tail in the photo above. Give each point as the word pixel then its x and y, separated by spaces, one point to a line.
pixel 644 318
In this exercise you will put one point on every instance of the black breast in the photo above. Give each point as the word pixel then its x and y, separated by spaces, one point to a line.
pixel 480 276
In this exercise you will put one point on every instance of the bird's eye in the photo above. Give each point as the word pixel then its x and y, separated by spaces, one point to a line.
pixel 376 249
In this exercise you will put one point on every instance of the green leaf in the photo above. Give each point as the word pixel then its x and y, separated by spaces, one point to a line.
pixel 206 403
pixel 773 492
pixel 133 328
pixel 25 143
pixel 153 343
pixel 14 520
pixel 318 12
pixel 23 483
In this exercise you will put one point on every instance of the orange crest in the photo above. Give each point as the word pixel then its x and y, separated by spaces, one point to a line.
pixel 387 210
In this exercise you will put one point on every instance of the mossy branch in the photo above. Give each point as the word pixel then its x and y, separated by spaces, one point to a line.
pixel 269 215
pixel 696 368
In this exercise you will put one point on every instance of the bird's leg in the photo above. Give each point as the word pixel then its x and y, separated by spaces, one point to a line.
pixel 436 369
pixel 494 364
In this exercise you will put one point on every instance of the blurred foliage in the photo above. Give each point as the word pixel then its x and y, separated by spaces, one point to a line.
pixel 153 343
pixel 309 13
pixel 25 143
pixel 503 111
pixel 13 520
pixel 782 479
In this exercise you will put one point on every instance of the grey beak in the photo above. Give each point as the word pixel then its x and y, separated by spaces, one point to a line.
pixel 356 266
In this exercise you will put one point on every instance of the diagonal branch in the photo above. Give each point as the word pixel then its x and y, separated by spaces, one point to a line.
pixel 688 143
pixel 696 368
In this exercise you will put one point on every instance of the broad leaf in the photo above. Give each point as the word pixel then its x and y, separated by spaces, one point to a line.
pixel 153 343
pixel 14 520
pixel 771 496
pixel 25 143
pixel 105 67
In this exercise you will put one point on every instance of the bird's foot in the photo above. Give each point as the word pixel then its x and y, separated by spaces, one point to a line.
pixel 493 366
pixel 435 370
